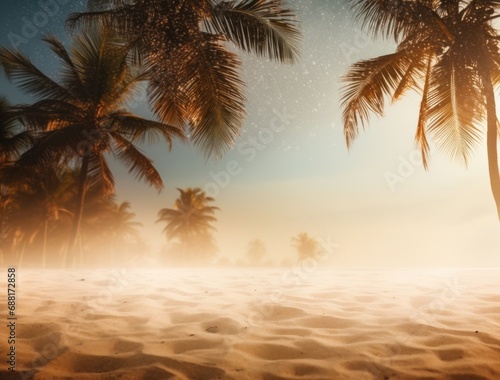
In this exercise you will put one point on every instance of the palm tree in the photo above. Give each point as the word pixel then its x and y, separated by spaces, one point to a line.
pixel 119 226
pixel 194 78
pixel 79 119
pixel 307 247
pixel 448 51
pixel 190 221
pixel 256 251
pixel 13 141
pixel 40 204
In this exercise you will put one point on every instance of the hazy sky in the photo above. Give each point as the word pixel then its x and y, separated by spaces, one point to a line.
pixel 300 177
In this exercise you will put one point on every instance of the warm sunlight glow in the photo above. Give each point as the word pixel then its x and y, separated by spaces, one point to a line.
pixel 250 189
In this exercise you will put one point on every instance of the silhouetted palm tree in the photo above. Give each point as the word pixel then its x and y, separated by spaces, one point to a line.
pixel 256 251
pixel 40 204
pixel 448 51
pixel 190 221
pixel 80 119
pixel 194 78
pixel 119 226
pixel 13 141
pixel 307 247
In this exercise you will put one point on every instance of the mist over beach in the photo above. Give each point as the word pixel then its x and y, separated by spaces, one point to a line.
pixel 249 189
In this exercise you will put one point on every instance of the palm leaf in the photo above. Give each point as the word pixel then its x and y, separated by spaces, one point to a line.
pixel 369 83
pixel 138 164
pixel 262 27
pixel 46 113
pixel 216 97
pixel 421 135
pixel 12 141
pixel 50 146
pixel 398 18
pixel 138 129
pixel 70 72
pixel 101 65
pixel 99 175
pixel 456 106
pixel 21 70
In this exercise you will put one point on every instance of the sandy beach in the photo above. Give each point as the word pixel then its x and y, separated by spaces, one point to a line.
pixel 256 324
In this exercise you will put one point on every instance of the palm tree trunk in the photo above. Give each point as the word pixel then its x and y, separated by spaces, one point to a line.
pixel 80 250
pixel 44 247
pixel 3 234
pixel 112 246
pixel 492 131
pixel 77 219
pixel 183 255
pixel 21 254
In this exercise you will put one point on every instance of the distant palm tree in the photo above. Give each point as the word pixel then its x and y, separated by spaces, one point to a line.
pixel 307 247
pixel 80 119
pixel 190 221
pixel 194 77
pixel 448 51
pixel 40 204
pixel 119 226
pixel 256 251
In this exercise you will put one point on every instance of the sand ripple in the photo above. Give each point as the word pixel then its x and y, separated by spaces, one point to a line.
pixel 211 324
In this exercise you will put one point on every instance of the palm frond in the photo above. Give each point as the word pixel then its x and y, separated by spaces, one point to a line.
pixel 26 75
pixel 138 129
pixel 99 174
pixel 456 106
pixel 137 163
pixel 167 96
pixel 101 65
pixel 263 27
pixel 14 146
pixel 368 85
pixel 480 8
pixel 118 18
pixel 13 140
pixel 70 72
pixel 397 18
pixel 48 114
pixel 54 144
pixel 216 97
pixel 421 134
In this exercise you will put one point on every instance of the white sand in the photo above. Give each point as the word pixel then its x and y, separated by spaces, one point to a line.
pixel 272 324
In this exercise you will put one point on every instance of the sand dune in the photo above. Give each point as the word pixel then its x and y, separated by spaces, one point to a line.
pixel 268 324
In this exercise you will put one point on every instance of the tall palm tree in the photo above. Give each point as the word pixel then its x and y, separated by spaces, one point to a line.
pixel 13 141
pixel 190 221
pixel 40 204
pixel 194 74
pixel 448 51
pixel 307 247
pixel 80 117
